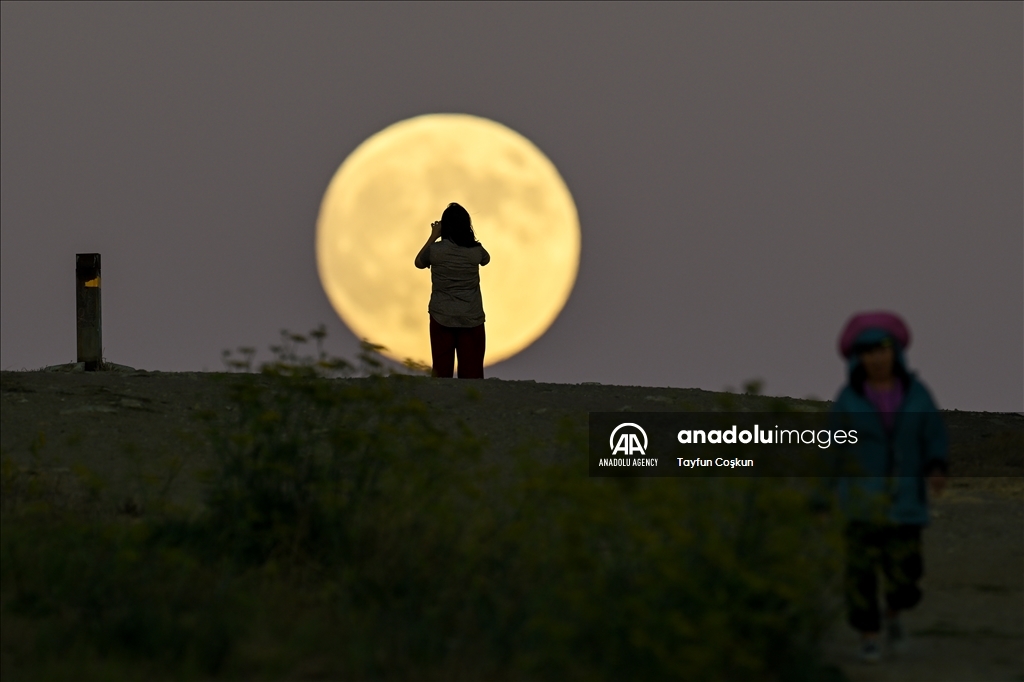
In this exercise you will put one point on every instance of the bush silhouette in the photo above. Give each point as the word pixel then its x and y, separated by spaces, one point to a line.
pixel 346 534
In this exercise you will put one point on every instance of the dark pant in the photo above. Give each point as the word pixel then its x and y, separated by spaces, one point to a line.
pixel 468 342
pixel 896 550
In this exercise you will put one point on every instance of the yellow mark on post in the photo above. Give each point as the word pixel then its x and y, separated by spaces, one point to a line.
pixel 93 283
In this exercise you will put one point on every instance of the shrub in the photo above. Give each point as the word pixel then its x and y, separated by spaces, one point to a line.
pixel 347 535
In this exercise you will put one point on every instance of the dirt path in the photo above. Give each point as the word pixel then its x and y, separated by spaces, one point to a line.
pixel 969 625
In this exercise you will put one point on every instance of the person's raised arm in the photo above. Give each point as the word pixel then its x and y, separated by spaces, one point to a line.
pixel 423 257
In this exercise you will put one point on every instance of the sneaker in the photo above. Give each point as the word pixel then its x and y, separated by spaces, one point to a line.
pixel 895 639
pixel 870 652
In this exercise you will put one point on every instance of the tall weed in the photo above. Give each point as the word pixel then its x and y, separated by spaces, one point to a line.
pixel 345 534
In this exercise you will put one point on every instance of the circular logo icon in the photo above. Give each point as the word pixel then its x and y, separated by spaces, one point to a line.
pixel 628 442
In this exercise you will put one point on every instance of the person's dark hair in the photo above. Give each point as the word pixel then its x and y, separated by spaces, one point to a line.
pixel 859 375
pixel 456 226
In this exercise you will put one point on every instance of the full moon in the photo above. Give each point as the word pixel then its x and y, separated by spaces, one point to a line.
pixel 376 215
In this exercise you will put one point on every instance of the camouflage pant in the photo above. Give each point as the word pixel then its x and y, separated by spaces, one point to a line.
pixel 896 550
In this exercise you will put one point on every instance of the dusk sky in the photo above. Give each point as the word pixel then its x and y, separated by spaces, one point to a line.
pixel 747 176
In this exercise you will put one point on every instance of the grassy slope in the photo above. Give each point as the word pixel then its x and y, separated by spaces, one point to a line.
pixel 132 430
pixel 131 426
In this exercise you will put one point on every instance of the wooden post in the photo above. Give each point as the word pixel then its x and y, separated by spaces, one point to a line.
pixel 87 300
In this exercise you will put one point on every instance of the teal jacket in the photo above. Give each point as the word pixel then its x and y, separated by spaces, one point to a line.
pixel 894 465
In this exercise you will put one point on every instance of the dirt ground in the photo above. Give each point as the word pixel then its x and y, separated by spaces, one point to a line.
pixel 970 623
pixel 138 432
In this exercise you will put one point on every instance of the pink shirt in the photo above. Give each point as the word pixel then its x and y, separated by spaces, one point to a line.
pixel 886 401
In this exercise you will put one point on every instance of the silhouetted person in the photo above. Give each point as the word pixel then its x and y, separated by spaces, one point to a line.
pixel 456 307
pixel 901 442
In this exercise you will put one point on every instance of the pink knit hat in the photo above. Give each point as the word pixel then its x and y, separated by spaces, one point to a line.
pixel 891 323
